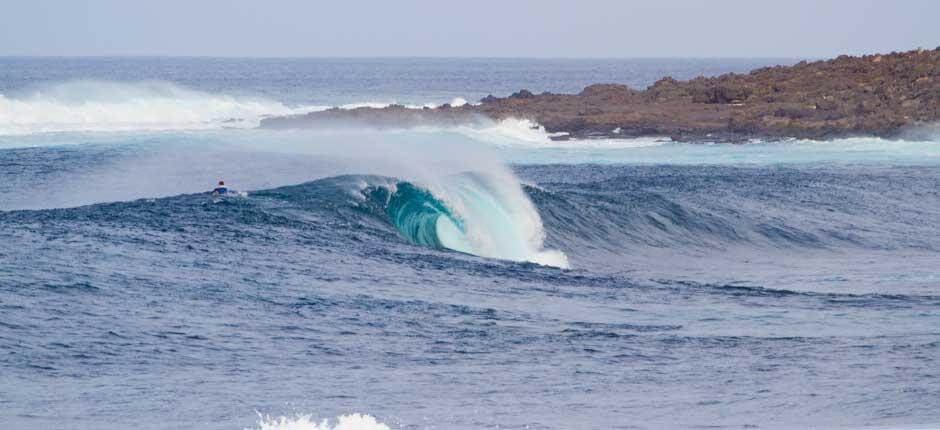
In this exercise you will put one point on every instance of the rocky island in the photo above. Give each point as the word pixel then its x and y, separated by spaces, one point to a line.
pixel 890 95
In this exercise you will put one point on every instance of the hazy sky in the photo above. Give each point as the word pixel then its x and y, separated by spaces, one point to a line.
pixel 440 28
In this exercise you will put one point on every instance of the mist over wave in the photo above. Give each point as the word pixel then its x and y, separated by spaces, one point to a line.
pixel 443 193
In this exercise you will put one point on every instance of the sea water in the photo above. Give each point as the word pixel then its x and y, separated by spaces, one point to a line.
pixel 470 277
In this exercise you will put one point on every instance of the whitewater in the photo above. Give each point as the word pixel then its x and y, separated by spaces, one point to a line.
pixel 479 276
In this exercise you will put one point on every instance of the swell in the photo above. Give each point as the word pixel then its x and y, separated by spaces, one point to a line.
pixel 625 210
pixel 632 208
pixel 617 231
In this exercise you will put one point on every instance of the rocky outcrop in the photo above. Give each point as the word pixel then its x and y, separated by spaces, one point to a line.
pixel 890 95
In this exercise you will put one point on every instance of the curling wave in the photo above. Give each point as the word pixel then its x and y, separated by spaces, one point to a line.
pixel 469 213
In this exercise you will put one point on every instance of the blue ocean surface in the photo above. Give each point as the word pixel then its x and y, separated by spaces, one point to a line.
pixel 474 277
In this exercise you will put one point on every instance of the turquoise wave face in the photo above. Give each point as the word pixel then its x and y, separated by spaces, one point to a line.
pixel 420 217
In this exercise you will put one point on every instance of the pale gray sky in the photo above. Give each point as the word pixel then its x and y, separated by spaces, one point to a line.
pixel 475 28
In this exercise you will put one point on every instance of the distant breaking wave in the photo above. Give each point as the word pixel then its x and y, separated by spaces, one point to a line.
pixel 103 106
pixel 112 106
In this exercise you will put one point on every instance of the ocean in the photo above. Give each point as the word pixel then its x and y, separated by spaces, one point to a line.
pixel 474 277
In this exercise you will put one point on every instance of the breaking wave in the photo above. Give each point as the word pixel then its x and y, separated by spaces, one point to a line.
pixel 470 213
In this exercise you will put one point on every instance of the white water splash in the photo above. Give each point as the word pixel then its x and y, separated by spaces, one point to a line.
pixel 306 422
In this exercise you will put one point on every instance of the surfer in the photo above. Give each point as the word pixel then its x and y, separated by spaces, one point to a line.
pixel 220 189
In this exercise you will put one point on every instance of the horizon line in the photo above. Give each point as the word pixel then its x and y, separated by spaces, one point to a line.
pixel 422 57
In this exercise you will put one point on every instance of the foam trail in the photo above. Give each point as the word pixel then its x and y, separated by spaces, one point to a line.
pixel 306 422
pixel 82 106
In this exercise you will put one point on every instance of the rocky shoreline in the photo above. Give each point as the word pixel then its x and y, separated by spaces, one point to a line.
pixel 891 96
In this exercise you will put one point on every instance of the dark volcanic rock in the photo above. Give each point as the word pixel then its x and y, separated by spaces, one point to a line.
pixel 882 95
pixel 522 94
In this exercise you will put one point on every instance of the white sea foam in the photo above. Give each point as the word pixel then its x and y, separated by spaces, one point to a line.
pixel 515 132
pixel 307 422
